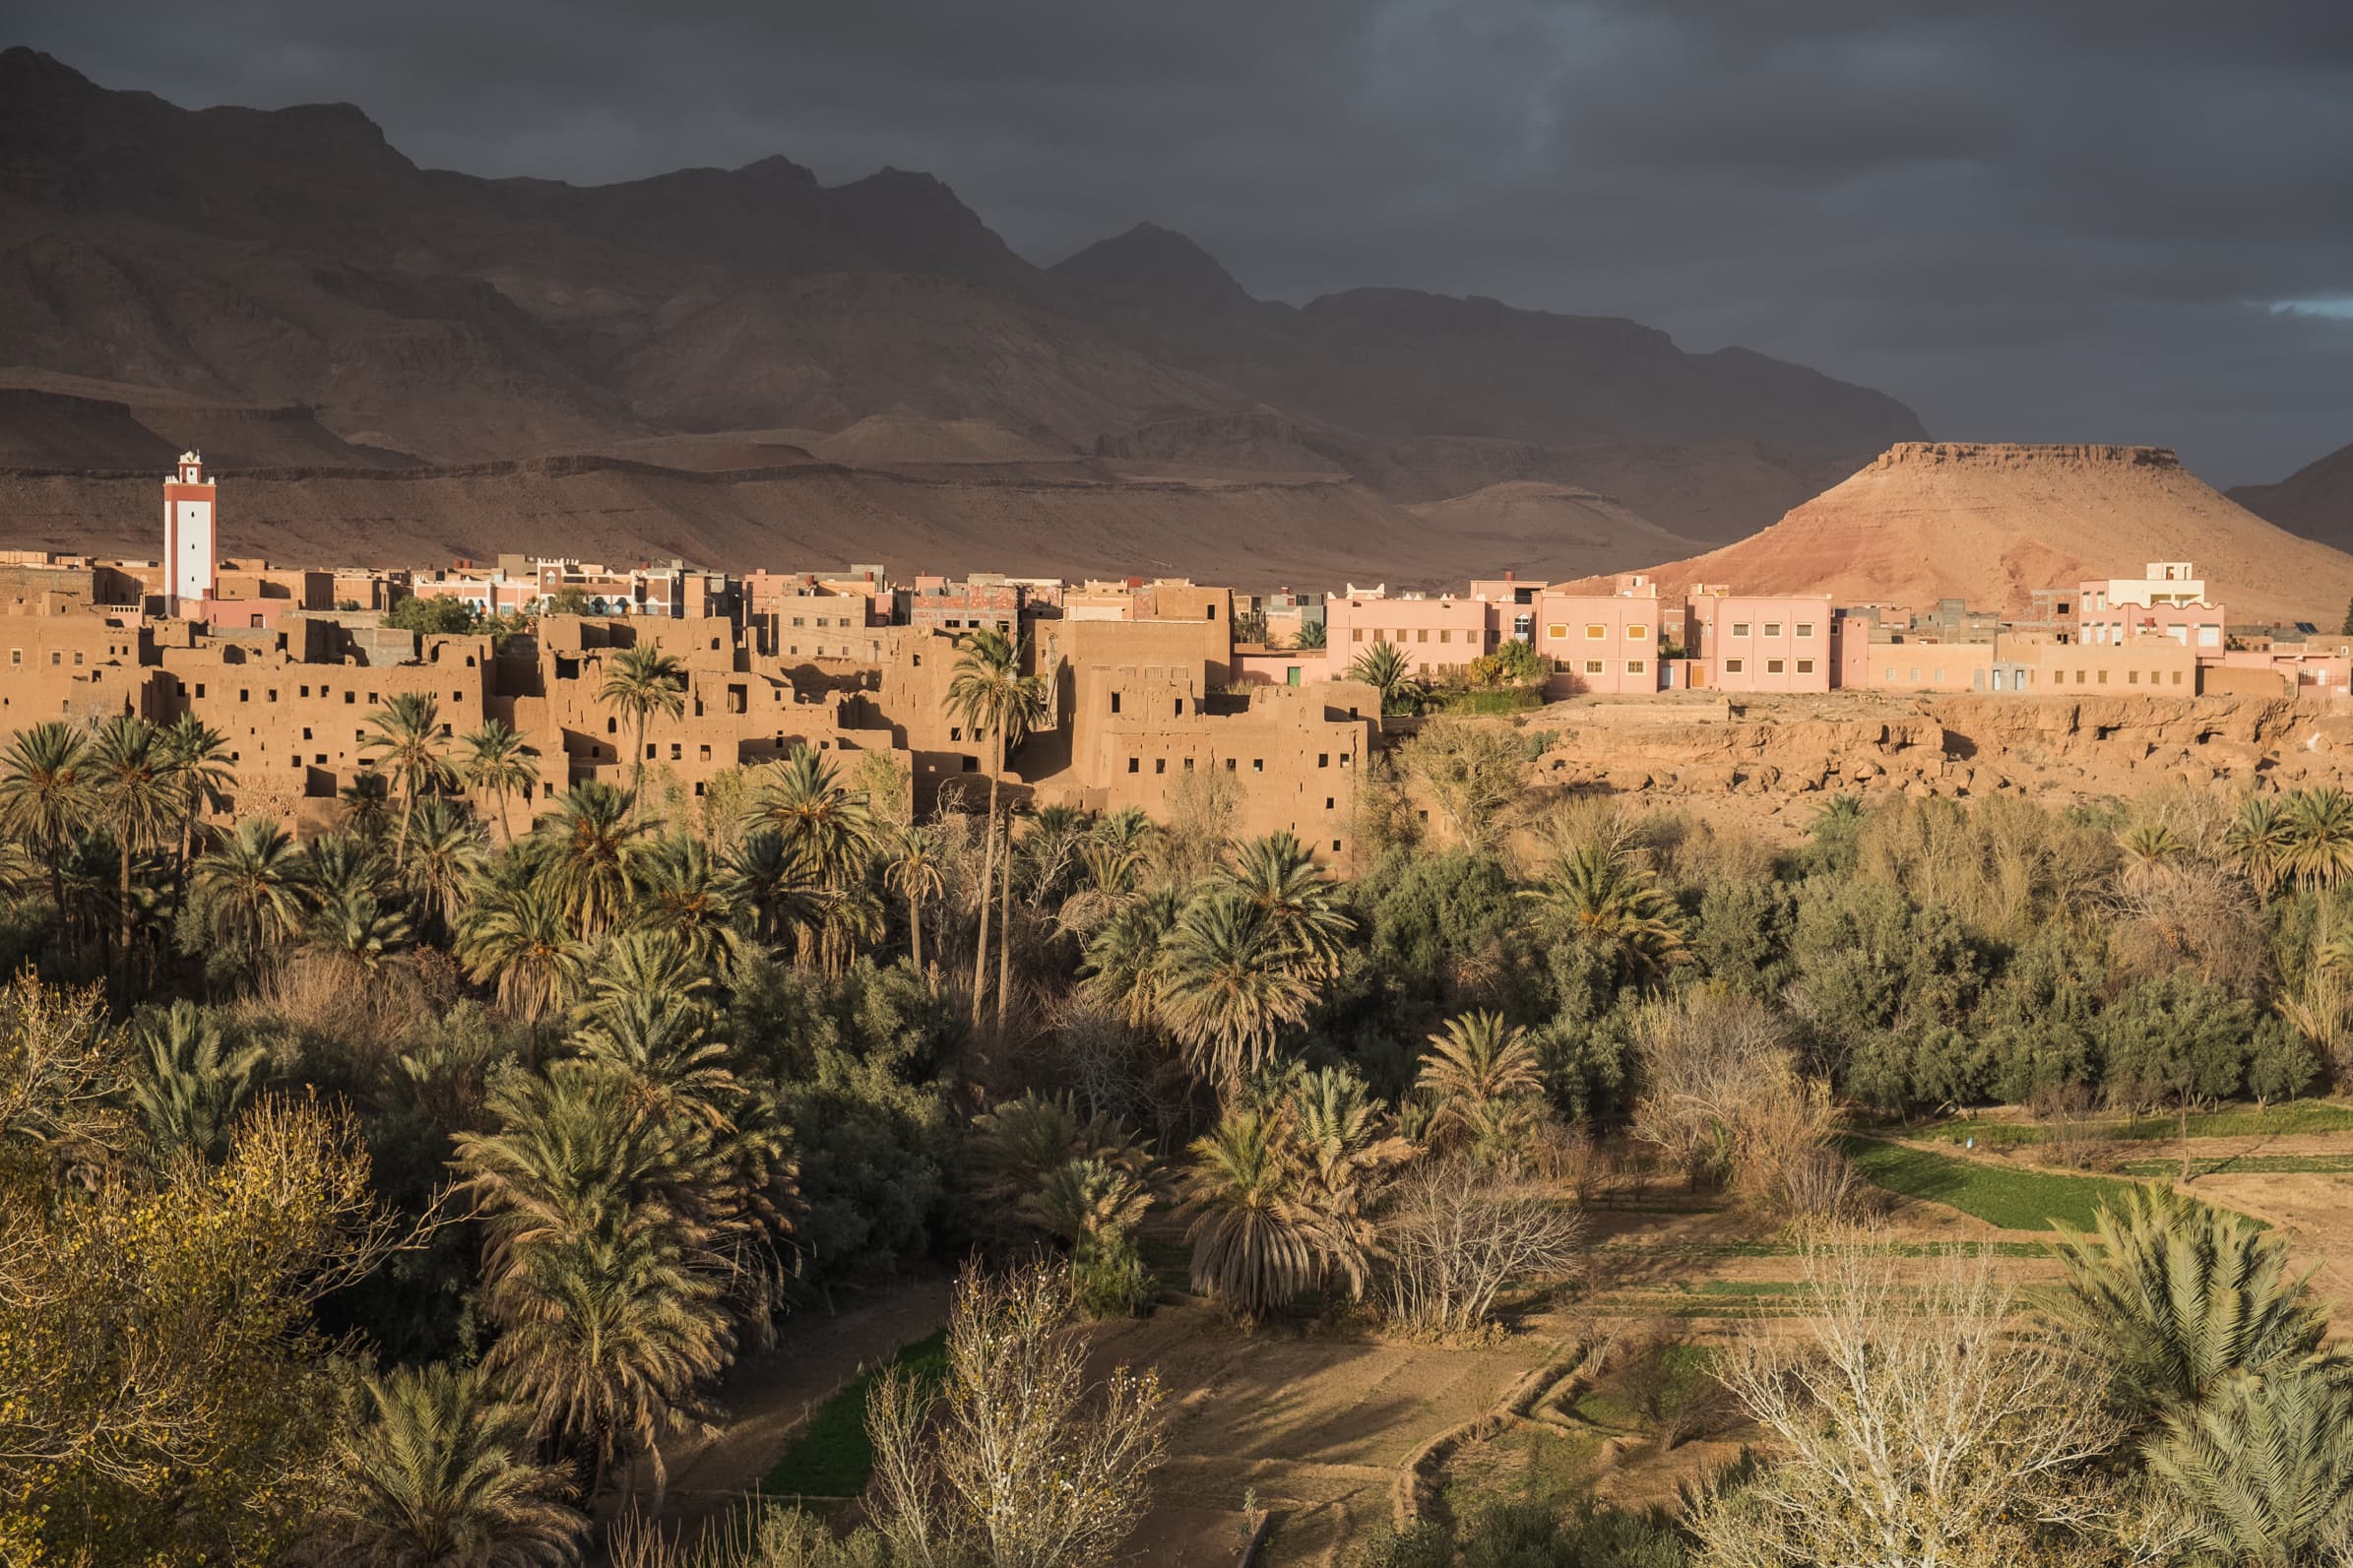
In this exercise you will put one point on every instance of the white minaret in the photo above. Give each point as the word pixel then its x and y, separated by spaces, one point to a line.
pixel 190 557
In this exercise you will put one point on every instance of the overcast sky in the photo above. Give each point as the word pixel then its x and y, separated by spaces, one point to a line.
pixel 2032 220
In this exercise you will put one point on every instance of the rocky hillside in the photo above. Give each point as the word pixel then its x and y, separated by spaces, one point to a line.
pixel 285 286
pixel 1991 523
pixel 2315 501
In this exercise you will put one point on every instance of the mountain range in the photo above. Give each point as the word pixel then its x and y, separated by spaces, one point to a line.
pixel 766 366
pixel 749 367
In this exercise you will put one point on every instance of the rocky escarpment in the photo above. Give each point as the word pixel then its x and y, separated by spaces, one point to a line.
pixel 1958 748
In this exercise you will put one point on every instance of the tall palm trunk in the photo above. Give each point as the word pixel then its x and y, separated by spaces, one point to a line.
pixel 123 894
pixel 1004 933
pixel 399 848
pixel 506 829
pixel 68 927
pixel 988 872
pixel 914 930
pixel 637 770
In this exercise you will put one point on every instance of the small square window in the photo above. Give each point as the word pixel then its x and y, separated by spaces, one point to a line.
pixel 1773 667
pixel 1159 765
pixel 1805 628
pixel 1593 667
pixel 1135 764
pixel 1740 628
pixel 1804 666
pixel 1230 763
pixel 1636 667
pixel 1556 632
pixel 1772 628
pixel 1257 764
pixel 1732 666
pixel 1595 631
pixel 1637 633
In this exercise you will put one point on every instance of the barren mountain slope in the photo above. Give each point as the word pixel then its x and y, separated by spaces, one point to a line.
pixel 1992 523
pixel 248 258
pixel 1074 519
pixel 2315 501
pixel 1549 530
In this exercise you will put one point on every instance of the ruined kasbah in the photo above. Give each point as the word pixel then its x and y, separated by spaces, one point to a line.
pixel 1152 688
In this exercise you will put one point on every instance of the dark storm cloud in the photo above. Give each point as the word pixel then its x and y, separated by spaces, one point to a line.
pixel 2057 220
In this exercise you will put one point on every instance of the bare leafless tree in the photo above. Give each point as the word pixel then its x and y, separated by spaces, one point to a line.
pixel 1923 1424
pixel 1454 1236
pixel 1017 1461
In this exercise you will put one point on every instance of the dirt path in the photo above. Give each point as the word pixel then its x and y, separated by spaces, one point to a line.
pixel 767 1397
pixel 1309 1425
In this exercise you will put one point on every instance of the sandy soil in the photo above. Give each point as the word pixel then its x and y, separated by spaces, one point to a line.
pixel 1314 1426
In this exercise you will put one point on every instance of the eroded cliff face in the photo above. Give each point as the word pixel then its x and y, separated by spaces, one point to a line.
pixel 1956 746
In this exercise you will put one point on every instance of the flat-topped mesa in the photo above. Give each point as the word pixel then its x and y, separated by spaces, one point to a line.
pixel 2019 454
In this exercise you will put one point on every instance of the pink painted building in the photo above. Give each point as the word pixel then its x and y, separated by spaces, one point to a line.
pixel 1752 642
pixel 1605 644
pixel 1434 634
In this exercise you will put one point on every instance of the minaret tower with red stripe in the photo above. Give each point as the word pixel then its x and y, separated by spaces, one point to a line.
pixel 190 564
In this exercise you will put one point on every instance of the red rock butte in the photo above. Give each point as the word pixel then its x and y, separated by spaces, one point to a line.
pixel 1992 521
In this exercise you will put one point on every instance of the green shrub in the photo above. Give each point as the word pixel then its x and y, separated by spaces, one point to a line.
pixel 1110 1278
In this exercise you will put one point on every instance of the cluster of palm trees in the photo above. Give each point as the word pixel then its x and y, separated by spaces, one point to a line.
pixel 2219 1361
pixel 1284 1195
pixel 2303 838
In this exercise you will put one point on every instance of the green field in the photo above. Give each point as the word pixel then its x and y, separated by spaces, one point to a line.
pixel 2244 1165
pixel 832 1457
pixel 2231 1121
pixel 2014 1200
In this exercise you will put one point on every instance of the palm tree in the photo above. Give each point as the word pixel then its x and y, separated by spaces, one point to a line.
pixel 1087 1201
pixel 1126 962
pixel 205 776
pixel 440 1471
pixel 134 781
pixel 409 748
pixel 587 843
pixel 2319 824
pixel 1278 875
pixel 685 896
pixel 776 883
pixel 517 940
pixel 44 797
pixel 248 889
pixel 1310 638
pixel 605 1341
pixel 993 698
pixel 660 1038
pixel 1384 667
pixel 1116 849
pixel 1253 1242
pixel 2260 839
pixel 1606 897
pixel 1345 1158
pixel 917 873
pixel 367 804
pixel 359 932
pixel 1478 1061
pixel 445 852
pixel 2177 1295
pixel 190 1081
pixel 2264 1468
pixel 339 865
pixel 831 827
pixel 642 681
pixel 496 763
pixel 1018 1143
pixel 2150 844
pixel 1233 979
